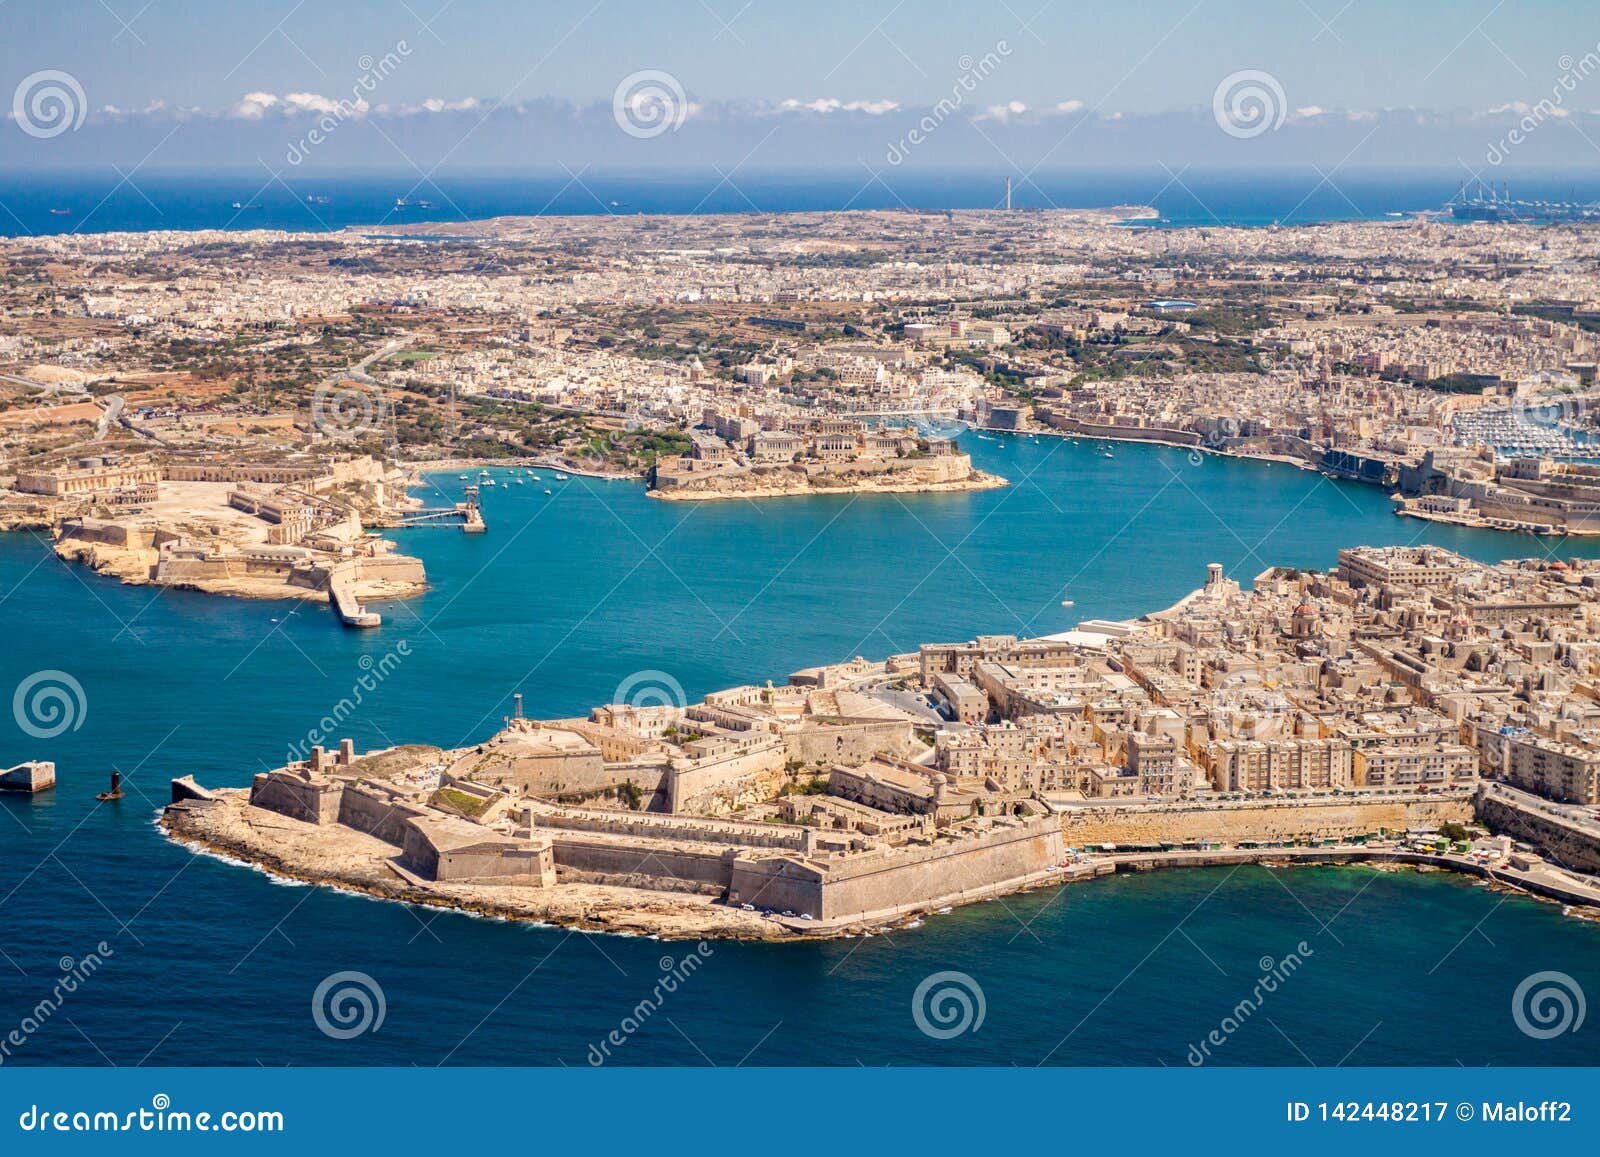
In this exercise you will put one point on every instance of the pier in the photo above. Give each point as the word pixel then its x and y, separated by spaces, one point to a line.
pixel 30 778
pixel 341 593
pixel 468 513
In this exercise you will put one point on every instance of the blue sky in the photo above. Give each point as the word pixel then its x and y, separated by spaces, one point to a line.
pixel 1142 76
pixel 1368 53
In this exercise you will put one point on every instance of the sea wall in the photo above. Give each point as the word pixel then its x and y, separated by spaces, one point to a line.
pixel 1266 822
pixel 387 570
pixel 901 878
pixel 1562 841
pixel 1158 434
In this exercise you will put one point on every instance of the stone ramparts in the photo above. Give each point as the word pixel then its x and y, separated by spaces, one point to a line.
pixel 1265 823
pixel 1564 840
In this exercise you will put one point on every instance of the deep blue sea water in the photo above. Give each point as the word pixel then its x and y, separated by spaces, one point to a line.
pixel 98 202
pixel 565 598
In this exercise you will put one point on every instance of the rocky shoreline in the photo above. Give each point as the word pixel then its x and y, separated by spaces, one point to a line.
pixel 227 826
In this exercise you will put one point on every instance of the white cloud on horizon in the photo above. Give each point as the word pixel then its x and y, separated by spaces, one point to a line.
pixel 831 104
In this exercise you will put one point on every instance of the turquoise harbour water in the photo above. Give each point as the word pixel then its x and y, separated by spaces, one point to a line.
pixel 567 597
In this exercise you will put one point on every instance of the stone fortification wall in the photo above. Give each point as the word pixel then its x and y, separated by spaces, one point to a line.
pixel 708 831
pixel 563 773
pixel 128 536
pixel 1132 433
pixel 376 813
pixel 902 878
pixel 641 866
pixel 1561 840
pixel 1264 823
pixel 498 860
pixel 719 785
pixel 386 568
pixel 849 743
pixel 314 801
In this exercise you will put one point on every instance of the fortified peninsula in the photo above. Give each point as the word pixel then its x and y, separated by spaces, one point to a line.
pixel 838 456
pixel 284 527
pixel 1410 707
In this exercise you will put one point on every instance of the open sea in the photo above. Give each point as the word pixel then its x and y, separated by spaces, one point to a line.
pixel 567 597
pixel 103 201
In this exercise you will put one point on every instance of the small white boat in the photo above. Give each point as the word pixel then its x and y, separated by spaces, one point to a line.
pixel 487 482
pixel 561 477
pixel 522 482
pixel 463 477
pixel 1068 603
pixel 547 491
pixel 536 478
